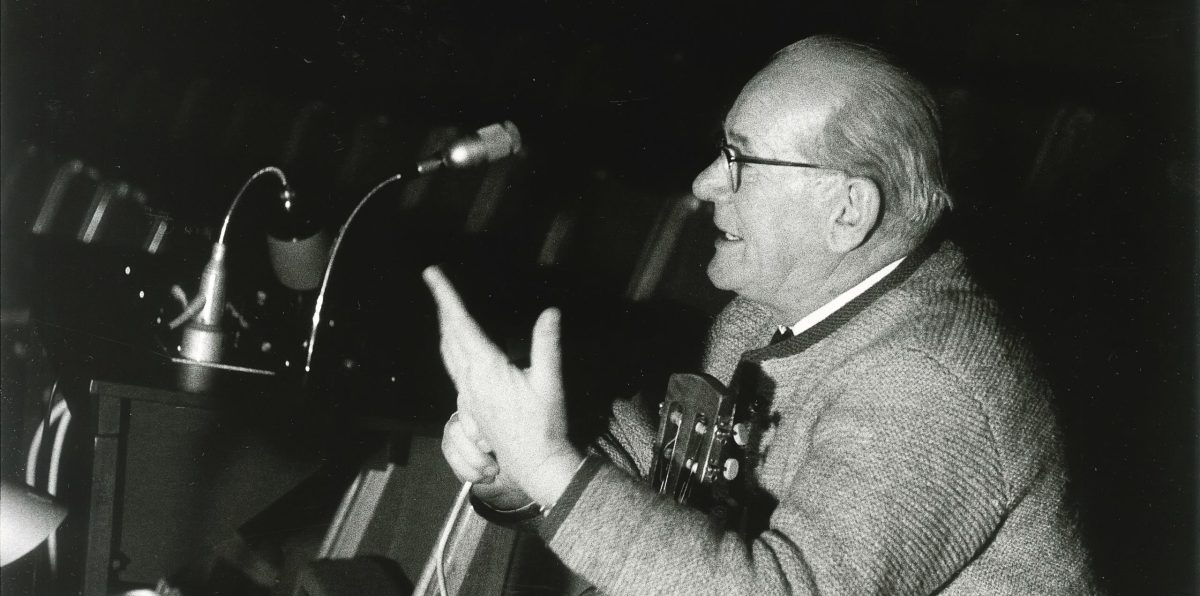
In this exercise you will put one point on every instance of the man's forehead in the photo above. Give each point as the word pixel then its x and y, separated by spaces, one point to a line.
pixel 787 98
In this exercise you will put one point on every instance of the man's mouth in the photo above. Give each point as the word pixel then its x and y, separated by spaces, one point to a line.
pixel 729 237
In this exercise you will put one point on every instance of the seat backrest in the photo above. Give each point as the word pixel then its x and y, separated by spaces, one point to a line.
pixel 119 217
pixel 660 247
pixel 397 510
pixel 681 250
pixel 378 146
pixel 601 238
pixel 67 199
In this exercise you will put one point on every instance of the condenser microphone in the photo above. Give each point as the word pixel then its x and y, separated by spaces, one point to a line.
pixel 488 144
pixel 203 337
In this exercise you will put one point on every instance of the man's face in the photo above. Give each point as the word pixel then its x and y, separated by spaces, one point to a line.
pixel 772 247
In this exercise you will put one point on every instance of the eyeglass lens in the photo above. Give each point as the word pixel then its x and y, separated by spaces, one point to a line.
pixel 733 167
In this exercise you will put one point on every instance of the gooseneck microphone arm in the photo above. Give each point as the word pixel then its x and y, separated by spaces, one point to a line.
pixel 333 251
pixel 287 194
pixel 209 300
pixel 488 144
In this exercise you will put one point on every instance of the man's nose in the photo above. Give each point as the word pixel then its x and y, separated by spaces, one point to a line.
pixel 712 183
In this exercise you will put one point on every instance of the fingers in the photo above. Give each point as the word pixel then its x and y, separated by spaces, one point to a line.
pixel 443 291
pixel 452 313
pixel 545 355
pixel 465 472
pixel 467 461
pixel 464 345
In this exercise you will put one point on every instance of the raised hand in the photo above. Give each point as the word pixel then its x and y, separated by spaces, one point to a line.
pixel 520 413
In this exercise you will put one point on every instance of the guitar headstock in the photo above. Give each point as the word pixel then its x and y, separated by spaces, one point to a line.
pixel 699 441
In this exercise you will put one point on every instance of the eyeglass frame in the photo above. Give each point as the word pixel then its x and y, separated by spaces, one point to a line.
pixel 734 156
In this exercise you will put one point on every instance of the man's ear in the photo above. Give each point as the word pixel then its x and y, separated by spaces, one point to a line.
pixel 856 212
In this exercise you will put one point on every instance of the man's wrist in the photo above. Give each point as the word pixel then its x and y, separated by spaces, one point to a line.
pixel 546 483
pixel 505 516
pixel 500 499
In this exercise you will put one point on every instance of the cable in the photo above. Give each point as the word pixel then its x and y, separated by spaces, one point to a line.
pixel 178 294
pixel 444 538
pixel 189 311
pixel 337 243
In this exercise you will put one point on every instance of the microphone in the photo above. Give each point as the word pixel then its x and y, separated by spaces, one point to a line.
pixel 488 144
pixel 203 338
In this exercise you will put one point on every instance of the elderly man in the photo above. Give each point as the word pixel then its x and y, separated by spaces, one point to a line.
pixel 907 444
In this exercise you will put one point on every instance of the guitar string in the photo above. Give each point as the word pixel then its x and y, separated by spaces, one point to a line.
pixel 666 462
pixel 670 461
pixel 686 489
pixel 688 486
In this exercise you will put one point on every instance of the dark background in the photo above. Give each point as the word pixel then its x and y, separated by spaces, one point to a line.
pixel 1071 136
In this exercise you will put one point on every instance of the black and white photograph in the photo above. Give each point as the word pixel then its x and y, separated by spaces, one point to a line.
pixel 456 298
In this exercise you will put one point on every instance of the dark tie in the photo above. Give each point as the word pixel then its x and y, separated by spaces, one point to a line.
pixel 782 335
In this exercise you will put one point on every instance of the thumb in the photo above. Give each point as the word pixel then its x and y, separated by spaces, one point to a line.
pixel 471 429
pixel 545 355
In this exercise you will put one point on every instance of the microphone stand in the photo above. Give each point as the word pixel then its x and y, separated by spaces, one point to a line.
pixel 202 337
pixel 311 344
pixel 488 144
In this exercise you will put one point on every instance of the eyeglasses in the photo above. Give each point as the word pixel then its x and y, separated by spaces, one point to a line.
pixel 734 160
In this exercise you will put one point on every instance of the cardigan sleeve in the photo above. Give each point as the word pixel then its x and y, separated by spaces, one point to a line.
pixel 626 444
pixel 630 435
pixel 898 489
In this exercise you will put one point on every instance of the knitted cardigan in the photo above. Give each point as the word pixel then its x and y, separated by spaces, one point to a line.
pixel 912 449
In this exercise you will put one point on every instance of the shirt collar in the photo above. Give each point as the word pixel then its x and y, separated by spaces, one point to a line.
pixel 841 300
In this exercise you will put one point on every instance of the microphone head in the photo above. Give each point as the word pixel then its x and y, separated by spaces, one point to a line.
pixel 490 143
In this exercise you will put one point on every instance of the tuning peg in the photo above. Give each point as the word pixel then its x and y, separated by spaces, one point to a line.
pixel 741 434
pixel 729 470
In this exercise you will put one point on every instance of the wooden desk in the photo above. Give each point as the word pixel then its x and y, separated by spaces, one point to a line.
pixel 178 465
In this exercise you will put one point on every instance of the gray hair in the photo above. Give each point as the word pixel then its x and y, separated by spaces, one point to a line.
pixel 885 128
